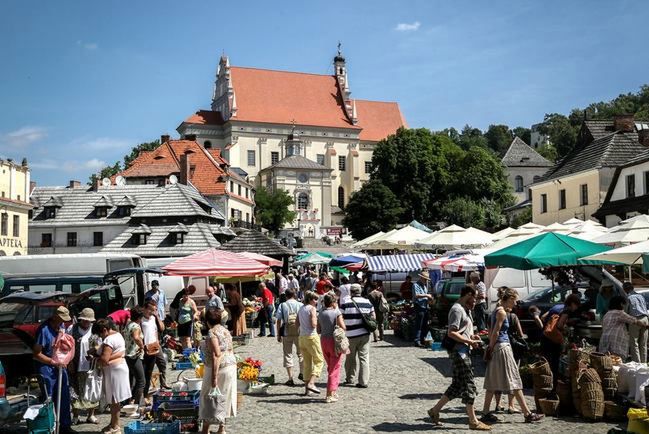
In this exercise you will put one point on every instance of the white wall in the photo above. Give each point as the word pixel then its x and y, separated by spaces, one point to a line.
pixel 619 191
pixel 85 238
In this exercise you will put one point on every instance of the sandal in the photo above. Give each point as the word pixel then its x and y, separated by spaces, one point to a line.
pixel 313 389
pixel 434 417
pixel 533 417
pixel 479 426
pixel 489 418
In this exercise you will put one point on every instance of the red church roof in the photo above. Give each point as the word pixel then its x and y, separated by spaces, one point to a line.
pixel 279 97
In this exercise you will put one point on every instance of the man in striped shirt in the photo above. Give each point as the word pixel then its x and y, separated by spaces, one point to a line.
pixel 358 335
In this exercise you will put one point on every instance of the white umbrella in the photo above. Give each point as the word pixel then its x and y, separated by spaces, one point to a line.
pixel 557 228
pixel 405 237
pixel 531 226
pixel 641 217
pixel 456 263
pixel 368 240
pixel 573 222
pixel 455 236
pixel 503 233
pixel 628 255
pixel 634 231
pixel 588 230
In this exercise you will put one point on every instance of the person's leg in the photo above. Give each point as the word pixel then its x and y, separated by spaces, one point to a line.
pixel 114 415
pixel 364 360
pixel 497 396
pixel 138 387
pixel 487 401
pixel 634 347
pixel 261 317
pixel 418 326
pixel 287 350
pixel 161 363
pixel 318 359
pixel 149 364
pixel 642 341
pixel 308 359
pixel 350 360
pixel 64 412
pixel 380 319
pixel 300 359
pixel 271 311
pixel 328 352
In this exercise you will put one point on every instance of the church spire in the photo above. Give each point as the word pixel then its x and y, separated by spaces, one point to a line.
pixel 340 69
pixel 224 99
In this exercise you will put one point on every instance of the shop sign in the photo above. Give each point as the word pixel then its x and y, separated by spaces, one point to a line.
pixel 334 231
pixel 10 242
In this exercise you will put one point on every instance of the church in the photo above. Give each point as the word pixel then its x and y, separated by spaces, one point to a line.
pixel 297 131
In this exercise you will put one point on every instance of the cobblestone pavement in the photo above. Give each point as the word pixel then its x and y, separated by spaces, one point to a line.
pixel 405 381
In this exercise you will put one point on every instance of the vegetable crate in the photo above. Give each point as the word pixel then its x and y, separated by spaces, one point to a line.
pixel 186 397
pixel 180 366
pixel 184 412
pixel 139 427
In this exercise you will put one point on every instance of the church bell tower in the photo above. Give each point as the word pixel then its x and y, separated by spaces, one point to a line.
pixel 340 70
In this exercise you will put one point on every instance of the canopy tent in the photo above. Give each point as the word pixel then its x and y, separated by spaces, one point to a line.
pixel 531 225
pixel 263 259
pixel 403 238
pixel 456 263
pixel 315 258
pixel 503 233
pixel 573 222
pixel 633 231
pixel 628 255
pixel 557 228
pixel 341 261
pixel 397 263
pixel 545 250
pixel 641 217
pixel 368 240
pixel 217 263
pixel 416 224
pixel 455 236
pixel 587 230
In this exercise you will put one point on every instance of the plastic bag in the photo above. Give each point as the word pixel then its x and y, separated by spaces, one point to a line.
pixel 93 387
pixel 63 349
pixel 215 403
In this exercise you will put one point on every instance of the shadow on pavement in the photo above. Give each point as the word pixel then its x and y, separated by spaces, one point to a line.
pixel 456 422
pixel 422 396
pixel 396 342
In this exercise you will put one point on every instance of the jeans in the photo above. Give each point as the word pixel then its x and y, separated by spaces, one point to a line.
pixel 638 341
pixel 421 325
pixel 334 362
pixel 359 346
pixel 136 377
pixel 312 355
pixel 479 313
pixel 51 382
pixel 266 318
pixel 149 363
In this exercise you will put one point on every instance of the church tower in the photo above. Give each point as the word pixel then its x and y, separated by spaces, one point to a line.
pixel 293 143
pixel 224 99
pixel 340 70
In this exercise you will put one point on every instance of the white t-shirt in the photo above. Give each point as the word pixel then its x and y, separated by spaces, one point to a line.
pixel 149 330
pixel 344 290
pixel 84 346
pixel 304 316
pixel 482 289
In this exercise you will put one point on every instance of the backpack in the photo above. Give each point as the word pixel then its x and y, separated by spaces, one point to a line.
pixel 292 328
pixel 384 306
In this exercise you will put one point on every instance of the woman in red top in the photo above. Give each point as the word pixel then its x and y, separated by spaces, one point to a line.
pixel 323 285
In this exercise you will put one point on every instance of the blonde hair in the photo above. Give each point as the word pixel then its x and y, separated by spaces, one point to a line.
pixel 309 296
pixel 505 293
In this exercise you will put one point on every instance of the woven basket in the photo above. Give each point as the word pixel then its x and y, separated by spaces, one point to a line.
pixel 577 356
pixel 542 380
pixel 549 407
pixel 601 362
pixel 564 391
pixel 609 383
pixel 609 394
pixel 542 392
pixel 589 376
pixel 614 412
pixel 592 401
pixel 542 367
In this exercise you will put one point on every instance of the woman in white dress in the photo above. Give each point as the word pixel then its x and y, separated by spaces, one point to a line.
pixel 116 378
pixel 220 371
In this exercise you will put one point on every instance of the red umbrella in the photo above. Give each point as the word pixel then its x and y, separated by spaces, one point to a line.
pixel 263 259
pixel 218 263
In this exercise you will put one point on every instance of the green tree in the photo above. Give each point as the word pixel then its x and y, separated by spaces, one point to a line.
pixel 525 134
pixel 135 152
pixel 522 217
pixel 272 208
pixel 499 137
pixel 371 209
pixel 562 133
pixel 470 137
pixel 464 212
pixel 106 172
pixel 548 151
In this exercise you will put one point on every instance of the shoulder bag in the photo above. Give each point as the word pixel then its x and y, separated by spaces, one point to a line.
pixel 448 343
pixel 368 322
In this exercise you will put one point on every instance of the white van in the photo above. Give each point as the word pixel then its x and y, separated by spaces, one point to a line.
pixel 171 285
pixel 524 281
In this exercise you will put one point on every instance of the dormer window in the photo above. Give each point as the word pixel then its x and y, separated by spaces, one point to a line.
pixel 179 238
pixel 101 211
pixel 50 212
pixel 123 211
pixel 177 234
pixel 139 239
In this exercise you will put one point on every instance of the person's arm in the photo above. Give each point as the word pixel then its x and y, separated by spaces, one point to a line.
pixel 319 328
pixel 137 338
pixel 314 318
pixel 278 322
pixel 106 355
pixel 519 329
pixel 561 324
pixel 341 322
pixel 159 323
pixel 216 354
pixel 37 354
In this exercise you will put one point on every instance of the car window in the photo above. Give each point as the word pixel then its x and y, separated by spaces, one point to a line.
pixel 45 313
pixel 538 294
pixel 66 287
pixel 539 279
pixel 84 286
pixel 42 287
pixel 455 288
pixel 10 311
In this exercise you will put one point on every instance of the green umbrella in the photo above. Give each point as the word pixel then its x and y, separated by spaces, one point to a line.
pixel 546 250
pixel 313 258
pixel 341 270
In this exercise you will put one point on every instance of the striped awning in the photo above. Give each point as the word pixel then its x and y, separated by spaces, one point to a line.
pixel 398 263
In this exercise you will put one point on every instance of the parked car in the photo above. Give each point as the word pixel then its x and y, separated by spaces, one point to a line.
pixel 21 314
pixel 448 292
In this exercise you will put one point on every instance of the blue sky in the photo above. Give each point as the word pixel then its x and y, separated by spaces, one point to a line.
pixel 81 82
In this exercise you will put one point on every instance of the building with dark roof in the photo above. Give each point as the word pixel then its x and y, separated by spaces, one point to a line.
pixel 254 110
pixel 14 207
pixel 523 166
pixel 147 220
pixel 577 185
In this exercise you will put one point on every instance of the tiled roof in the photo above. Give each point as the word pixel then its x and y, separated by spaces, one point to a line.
pixel 279 97
pixel 298 162
pixel 256 242
pixel 611 150
pixel 520 154
pixel 199 237
pixel 78 204
pixel 206 174
pixel 104 201
pixel 599 128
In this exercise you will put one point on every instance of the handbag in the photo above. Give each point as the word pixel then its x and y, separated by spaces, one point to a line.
pixel 384 306
pixel 448 343
pixel 152 349
pixel 215 405
pixel 551 331
pixel 93 386
pixel 369 323
pixel 341 342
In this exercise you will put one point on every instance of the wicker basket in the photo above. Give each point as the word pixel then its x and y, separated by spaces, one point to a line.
pixel 542 367
pixel 592 401
pixel 614 412
pixel 549 407
pixel 564 390
pixel 542 381
pixel 589 376
pixel 601 362
pixel 542 392
pixel 577 356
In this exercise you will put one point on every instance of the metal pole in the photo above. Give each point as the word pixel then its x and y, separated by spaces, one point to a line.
pixel 58 401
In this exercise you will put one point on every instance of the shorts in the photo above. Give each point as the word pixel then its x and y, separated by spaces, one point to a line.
pixel 185 330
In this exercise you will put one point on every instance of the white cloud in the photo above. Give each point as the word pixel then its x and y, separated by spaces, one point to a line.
pixel 93 165
pixel 107 143
pixel 91 46
pixel 24 136
pixel 408 27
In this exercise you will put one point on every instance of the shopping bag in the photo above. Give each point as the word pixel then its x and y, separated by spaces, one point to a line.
pixel 92 388
pixel 63 349
pixel 216 404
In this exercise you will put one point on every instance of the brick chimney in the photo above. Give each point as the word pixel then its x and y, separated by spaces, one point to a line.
pixel 624 123
pixel 190 137
pixel 643 137
pixel 97 183
pixel 75 184
pixel 184 169
pixel 164 138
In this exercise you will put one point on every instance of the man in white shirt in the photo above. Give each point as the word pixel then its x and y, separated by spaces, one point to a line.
pixel 288 333
pixel 282 283
pixel 480 309
pixel 344 288
pixel 152 326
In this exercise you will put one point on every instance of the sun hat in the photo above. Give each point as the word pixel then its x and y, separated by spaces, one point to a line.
pixel 87 314
pixel 424 275
pixel 355 288
pixel 63 313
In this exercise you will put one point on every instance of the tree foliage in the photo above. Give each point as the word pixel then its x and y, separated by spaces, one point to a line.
pixel 272 208
pixel 106 172
pixel 371 209
pixel 499 137
pixel 109 171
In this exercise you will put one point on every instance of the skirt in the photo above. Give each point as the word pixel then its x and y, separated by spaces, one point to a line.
pixel 185 330
pixel 117 387
pixel 227 382
pixel 78 383
pixel 502 371
pixel 239 325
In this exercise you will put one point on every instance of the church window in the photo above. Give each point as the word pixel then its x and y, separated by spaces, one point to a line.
pixel 342 163
pixel 231 187
pixel 239 189
pixel 251 158
pixel 5 224
pixel 341 197
pixel 303 178
pixel 320 158
pixel 302 201
pixel 207 144
pixel 518 184
pixel 274 157
pixel 368 167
